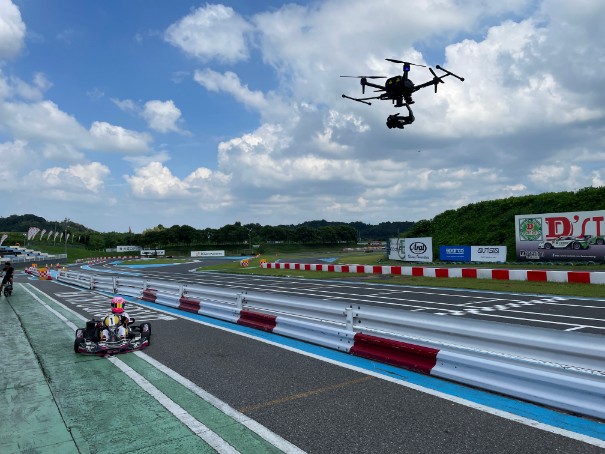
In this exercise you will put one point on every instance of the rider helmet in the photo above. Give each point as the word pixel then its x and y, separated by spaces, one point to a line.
pixel 111 321
pixel 117 305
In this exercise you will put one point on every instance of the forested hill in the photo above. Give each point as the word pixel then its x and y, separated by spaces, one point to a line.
pixel 22 222
pixel 493 222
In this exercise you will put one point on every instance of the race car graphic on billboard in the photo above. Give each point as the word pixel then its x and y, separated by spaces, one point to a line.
pixel 561 236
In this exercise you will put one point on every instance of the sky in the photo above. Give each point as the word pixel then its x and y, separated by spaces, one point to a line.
pixel 130 114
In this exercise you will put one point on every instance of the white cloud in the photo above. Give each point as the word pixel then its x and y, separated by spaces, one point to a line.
pixel 162 116
pixel 212 31
pixel 109 137
pixel 76 182
pixel 12 29
pixel 203 187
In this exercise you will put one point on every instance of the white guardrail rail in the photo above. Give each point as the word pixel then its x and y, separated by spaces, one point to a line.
pixel 560 369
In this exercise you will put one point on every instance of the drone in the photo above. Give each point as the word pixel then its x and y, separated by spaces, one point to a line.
pixel 399 90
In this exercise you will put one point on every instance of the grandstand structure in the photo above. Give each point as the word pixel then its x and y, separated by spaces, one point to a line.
pixel 20 254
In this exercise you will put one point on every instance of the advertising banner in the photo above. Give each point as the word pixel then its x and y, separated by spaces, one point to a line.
pixel 472 253
pixel 577 235
pixel 128 248
pixel 455 253
pixel 153 252
pixel 411 249
pixel 207 253
pixel 488 253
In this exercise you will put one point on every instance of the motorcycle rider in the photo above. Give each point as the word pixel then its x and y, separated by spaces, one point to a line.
pixel 118 317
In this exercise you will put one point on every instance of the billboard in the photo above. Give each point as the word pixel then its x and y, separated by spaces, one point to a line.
pixel 576 235
pixel 472 253
pixel 152 252
pixel 411 249
pixel 207 253
pixel 128 248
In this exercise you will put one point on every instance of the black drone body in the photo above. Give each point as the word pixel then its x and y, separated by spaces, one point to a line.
pixel 399 90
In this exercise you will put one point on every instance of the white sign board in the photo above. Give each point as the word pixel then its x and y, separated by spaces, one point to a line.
pixel 207 253
pixel 153 252
pixel 128 248
pixel 411 249
pixel 488 253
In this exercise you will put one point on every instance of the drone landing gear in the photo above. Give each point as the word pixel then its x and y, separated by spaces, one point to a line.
pixel 395 121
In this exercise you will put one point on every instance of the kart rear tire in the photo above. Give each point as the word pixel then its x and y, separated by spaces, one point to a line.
pixel 547 246
pixel 77 343
pixel 600 241
pixel 576 246
pixel 146 332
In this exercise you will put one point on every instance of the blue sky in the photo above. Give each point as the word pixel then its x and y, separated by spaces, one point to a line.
pixel 121 114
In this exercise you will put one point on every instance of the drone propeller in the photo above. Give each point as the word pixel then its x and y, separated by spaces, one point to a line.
pixel 367 77
pixel 404 62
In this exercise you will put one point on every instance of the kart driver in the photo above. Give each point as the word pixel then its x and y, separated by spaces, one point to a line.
pixel 8 272
pixel 118 317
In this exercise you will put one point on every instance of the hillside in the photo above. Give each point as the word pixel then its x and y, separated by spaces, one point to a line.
pixel 493 222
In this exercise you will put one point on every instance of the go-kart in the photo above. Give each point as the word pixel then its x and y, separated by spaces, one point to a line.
pixel 88 340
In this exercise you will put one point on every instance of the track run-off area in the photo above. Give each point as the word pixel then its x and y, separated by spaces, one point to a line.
pixel 204 385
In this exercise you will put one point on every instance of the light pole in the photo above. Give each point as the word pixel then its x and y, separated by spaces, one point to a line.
pixel 66 220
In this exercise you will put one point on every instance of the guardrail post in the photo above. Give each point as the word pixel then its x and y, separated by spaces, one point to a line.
pixel 91 285
pixel 240 301
pixel 114 281
pixel 181 291
pixel 349 315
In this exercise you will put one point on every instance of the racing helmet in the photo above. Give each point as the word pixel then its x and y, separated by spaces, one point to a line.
pixel 117 305
pixel 111 321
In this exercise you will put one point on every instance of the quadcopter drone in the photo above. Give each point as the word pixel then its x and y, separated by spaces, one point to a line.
pixel 399 90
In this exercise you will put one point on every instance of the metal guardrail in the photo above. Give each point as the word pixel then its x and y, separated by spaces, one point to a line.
pixel 561 369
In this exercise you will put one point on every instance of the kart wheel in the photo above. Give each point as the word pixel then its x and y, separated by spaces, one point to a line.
pixel 600 241
pixel 146 332
pixel 548 246
pixel 77 343
pixel 7 292
pixel 80 333
pixel 576 246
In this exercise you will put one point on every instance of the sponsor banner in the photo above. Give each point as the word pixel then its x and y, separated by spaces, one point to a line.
pixel 488 253
pixel 207 253
pixel 152 252
pixel 128 248
pixel 576 235
pixel 411 249
pixel 455 253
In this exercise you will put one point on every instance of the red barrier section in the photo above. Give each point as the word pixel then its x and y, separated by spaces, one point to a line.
pixel 536 275
pixel 500 274
pixel 469 272
pixel 257 320
pixel 149 295
pixel 396 270
pixel 189 304
pixel 361 269
pixel 377 269
pixel 400 354
pixel 442 272
pixel 331 268
pixel 345 268
pixel 580 277
pixel 417 271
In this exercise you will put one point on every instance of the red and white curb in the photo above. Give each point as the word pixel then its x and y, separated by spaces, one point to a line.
pixel 581 277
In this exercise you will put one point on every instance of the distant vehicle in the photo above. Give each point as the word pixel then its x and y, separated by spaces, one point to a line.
pixel 596 239
pixel 564 242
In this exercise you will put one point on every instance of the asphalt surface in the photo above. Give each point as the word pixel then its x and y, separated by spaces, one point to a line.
pixel 321 405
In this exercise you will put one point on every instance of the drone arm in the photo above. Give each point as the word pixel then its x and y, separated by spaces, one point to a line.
pixel 362 100
pixel 370 84
pixel 449 73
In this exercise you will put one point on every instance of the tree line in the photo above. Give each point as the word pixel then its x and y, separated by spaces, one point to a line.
pixel 160 237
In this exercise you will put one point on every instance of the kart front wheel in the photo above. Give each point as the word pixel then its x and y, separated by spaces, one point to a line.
pixel 600 241
pixel 576 246
pixel 146 332
pixel 547 246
